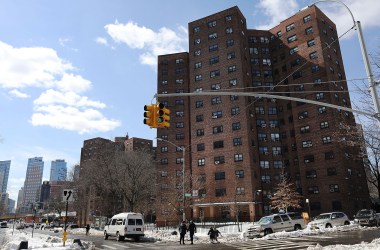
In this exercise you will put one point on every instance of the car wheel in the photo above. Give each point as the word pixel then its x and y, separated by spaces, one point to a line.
pixel 137 238
pixel 105 235
pixel 118 237
pixel 267 231
pixel 297 227
pixel 346 223
pixel 328 225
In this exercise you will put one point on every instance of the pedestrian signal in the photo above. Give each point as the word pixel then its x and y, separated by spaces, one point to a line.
pixel 150 115
pixel 163 118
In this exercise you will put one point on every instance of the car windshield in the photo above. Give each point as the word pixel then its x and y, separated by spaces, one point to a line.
pixel 364 213
pixel 265 220
pixel 322 217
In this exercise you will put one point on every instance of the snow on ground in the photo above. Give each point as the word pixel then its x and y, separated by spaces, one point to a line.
pixel 230 234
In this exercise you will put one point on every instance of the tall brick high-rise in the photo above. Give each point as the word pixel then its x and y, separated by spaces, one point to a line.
pixel 239 146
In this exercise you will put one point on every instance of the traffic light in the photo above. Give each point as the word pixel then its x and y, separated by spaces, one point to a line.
pixel 150 115
pixel 163 118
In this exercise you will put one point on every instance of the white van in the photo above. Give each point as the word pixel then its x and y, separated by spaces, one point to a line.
pixel 125 225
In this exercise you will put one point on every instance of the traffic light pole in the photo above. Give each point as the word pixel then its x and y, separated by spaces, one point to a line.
pixel 227 93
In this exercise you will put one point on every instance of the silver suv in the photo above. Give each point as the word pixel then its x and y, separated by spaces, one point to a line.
pixel 329 220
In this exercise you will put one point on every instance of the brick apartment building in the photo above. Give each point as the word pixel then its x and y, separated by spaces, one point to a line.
pixel 239 147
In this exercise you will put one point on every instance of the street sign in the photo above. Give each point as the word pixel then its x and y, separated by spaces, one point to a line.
pixel 68 195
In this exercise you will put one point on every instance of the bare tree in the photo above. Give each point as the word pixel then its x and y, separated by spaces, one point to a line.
pixel 285 196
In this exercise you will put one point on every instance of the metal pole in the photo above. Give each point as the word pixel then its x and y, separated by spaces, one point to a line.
pixel 372 84
pixel 183 183
pixel 64 231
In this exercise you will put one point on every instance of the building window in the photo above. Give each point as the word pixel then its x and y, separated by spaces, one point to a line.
pixel 228 18
pixel 232 82
pixel 240 190
pixel 212 36
pixel 329 155
pixel 334 188
pixel 293 50
pixel 219 192
pixel 198 104
pixel 305 129
pixel 197 52
pixel 311 43
pixel 264 164
pixel 275 137
pixel 219 160
pixel 179 161
pixel 266 61
pixel 319 96
pixel 307 144
pixel 198 78
pixel 211 24
pixel 306 18
pixel 313 190
pixel 217 129
pixel 214 60
pixel 200 147
pixel 197 41
pixel 180 136
pixel 217 114
pixel 201 162
pixel 179 125
pixel 198 65
pixel 238 157
pixel 220 176
pixel 331 171
pixel 309 30
pixel 231 68
pixel 200 132
pixel 322 110
pixel 315 68
pixel 290 27
pixel 216 100
pixel 199 118
pixel 236 126
pixel 218 144
pixel 164 161
pixel 239 173
pixel 213 47
pixel 278 164
pixel 272 111
pixel 297 74
pixel 326 140
pixel 164 173
pixel 164 149
pixel 214 73
pixel 231 55
pixel 237 141
pixel 308 159
pixel 235 111
pixel 311 174
pixel 164 82
pixel 324 125
pixel 179 81
pixel 265 178
pixel 196 29
pixel 295 62
pixel 229 30
pixel 292 38
pixel 230 42
pixel 313 55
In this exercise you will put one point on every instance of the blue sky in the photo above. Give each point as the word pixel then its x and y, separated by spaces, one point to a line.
pixel 74 70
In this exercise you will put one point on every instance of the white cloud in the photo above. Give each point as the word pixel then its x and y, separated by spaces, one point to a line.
pixel 18 94
pixel 61 103
pixel 72 118
pixel 24 67
pixel 165 41
pixel 277 11
pixel 53 97
pixel 101 40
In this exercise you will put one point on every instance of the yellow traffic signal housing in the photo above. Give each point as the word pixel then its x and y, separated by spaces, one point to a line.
pixel 150 115
pixel 163 118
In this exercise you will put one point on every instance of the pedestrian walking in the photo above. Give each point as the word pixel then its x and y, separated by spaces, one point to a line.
pixel 212 234
pixel 87 229
pixel 192 229
pixel 182 231
pixel 216 234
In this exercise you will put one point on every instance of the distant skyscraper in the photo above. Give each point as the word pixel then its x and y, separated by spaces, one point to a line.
pixel 33 182
pixel 58 171
pixel 4 174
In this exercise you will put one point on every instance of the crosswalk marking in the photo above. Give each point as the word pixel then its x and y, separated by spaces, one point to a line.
pixel 120 245
pixel 109 247
pixel 271 244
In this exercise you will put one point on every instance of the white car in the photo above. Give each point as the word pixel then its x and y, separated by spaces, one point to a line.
pixel 329 220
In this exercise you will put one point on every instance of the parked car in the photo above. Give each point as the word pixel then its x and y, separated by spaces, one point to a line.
pixel 276 223
pixel 367 217
pixel 3 224
pixel 125 225
pixel 329 220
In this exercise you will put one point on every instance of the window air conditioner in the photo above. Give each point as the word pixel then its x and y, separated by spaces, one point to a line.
pixel 332 190
pixel 272 125
pixel 266 153
pixel 216 162
pixel 217 87
pixel 263 125
pixel 203 195
pixel 214 117
pixel 307 161
pixel 300 117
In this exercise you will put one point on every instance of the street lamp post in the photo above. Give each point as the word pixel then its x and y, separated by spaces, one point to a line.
pixel 254 206
pixel 183 149
pixel 372 83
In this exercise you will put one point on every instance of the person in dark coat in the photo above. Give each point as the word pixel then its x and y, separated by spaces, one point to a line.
pixel 192 229
pixel 87 229
pixel 212 234
pixel 216 234
pixel 182 231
